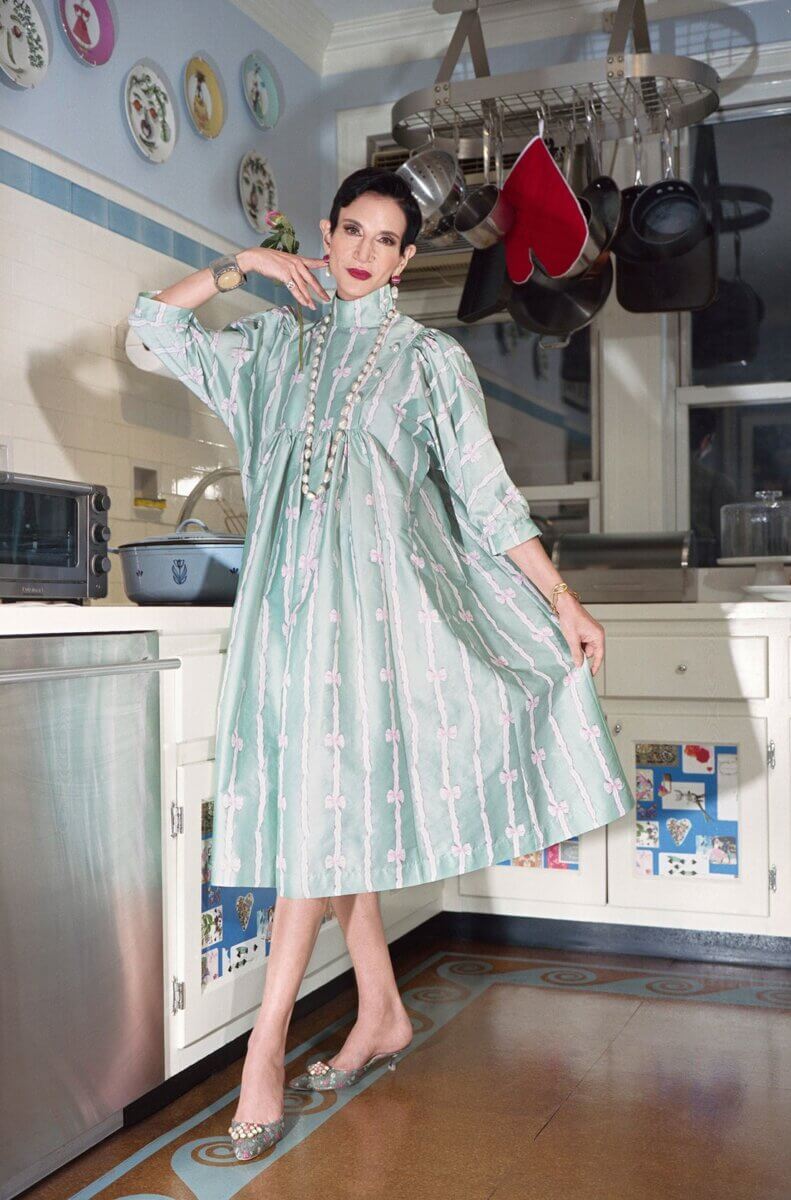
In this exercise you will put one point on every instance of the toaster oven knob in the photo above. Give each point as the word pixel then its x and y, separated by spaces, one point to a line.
pixel 100 533
pixel 100 564
pixel 101 501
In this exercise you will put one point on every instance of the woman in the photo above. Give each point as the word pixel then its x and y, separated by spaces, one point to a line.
pixel 408 693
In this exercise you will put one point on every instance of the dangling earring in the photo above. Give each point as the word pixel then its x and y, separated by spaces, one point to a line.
pixel 327 268
pixel 394 282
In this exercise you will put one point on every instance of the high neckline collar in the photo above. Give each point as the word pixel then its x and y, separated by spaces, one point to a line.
pixel 366 312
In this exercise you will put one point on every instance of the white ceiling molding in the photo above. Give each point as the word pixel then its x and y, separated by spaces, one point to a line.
pixel 416 34
pixel 302 27
pixel 421 33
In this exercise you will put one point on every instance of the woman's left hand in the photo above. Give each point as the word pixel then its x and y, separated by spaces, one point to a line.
pixel 583 633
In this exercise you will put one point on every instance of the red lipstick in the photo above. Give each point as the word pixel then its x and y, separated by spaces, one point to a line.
pixel 358 273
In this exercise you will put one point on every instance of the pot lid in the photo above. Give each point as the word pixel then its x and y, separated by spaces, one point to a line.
pixel 204 537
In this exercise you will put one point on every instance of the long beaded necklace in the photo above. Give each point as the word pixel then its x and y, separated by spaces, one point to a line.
pixel 351 396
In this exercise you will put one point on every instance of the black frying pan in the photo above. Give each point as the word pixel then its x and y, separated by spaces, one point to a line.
pixel 487 286
pixel 560 307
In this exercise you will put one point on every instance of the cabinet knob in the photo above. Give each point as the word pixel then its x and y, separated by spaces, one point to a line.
pixel 617 727
pixel 681 668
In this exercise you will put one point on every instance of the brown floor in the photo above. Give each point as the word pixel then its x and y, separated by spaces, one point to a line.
pixel 545 1092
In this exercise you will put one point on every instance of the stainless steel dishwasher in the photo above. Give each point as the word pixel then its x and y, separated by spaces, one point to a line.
pixel 81 988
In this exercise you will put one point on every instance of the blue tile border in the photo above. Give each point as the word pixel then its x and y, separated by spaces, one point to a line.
pixel 24 176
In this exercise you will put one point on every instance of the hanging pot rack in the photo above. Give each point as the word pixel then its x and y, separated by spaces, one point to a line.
pixel 623 90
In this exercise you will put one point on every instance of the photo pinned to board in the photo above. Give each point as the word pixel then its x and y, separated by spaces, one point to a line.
pixel 563 856
pixel 262 90
pixel 687 812
pixel 204 95
pixel 24 43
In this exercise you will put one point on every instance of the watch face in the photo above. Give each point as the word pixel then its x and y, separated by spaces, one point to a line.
pixel 231 277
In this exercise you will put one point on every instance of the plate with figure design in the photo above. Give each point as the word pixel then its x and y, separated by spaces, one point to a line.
pixel 24 42
pixel 203 94
pixel 90 29
pixel 261 90
pixel 150 112
pixel 257 189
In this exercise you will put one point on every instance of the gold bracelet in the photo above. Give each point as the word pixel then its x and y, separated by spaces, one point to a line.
pixel 557 589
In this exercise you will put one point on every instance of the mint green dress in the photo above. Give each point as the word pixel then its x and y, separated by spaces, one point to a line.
pixel 399 704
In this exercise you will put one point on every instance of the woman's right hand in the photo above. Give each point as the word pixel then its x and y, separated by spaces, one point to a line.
pixel 285 268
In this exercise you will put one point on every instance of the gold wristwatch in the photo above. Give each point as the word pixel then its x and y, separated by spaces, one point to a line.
pixel 227 273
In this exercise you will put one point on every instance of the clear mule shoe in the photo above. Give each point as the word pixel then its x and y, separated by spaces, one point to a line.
pixel 321 1077
pixel 250 1138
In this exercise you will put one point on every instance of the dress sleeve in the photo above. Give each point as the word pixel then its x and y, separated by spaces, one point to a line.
pixel 219 366
pixel 466 453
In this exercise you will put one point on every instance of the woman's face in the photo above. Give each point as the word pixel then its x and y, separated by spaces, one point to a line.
pixel 367 240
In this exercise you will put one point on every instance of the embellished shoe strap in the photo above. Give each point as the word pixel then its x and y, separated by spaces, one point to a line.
pixel 319 1068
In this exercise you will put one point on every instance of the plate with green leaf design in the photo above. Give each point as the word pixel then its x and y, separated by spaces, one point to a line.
pixel 150 112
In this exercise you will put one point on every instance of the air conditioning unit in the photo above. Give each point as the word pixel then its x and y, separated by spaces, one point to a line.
pixel 432 266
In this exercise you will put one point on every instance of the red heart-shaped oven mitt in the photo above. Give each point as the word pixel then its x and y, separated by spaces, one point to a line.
pixel 549 223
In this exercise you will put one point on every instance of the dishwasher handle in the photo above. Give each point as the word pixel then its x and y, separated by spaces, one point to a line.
pixel 38 674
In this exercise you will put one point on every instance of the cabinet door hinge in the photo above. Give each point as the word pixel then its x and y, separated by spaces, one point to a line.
pixel 770 754
pixel 178 995
pixel 176 819
pixel 773 878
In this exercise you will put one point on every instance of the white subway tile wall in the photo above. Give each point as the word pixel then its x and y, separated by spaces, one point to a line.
pixel 71 403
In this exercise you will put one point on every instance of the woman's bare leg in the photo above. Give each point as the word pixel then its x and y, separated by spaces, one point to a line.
pixel 382 1021
pixel 295 926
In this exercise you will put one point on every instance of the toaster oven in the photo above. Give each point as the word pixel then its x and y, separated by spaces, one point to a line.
pixel 53 538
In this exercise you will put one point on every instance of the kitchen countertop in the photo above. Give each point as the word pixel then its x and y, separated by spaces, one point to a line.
pixel 51 618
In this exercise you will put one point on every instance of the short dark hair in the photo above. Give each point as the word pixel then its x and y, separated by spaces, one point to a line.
pixel 384 183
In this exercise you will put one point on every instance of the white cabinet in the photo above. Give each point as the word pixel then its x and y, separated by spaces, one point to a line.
pixel 220 975
pixel 698 841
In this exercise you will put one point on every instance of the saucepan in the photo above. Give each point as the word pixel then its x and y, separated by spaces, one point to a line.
pixel 484 216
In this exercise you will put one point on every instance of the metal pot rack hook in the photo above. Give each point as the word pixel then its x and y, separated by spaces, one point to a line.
pixel 541 114
pixel 637 143
pixel 667 146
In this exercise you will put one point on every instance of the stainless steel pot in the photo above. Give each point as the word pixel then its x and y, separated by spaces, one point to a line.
pixel 182 568
pixel 484 217
pixel 436 180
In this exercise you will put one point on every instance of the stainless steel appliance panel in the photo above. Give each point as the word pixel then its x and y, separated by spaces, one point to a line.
pixel 81 990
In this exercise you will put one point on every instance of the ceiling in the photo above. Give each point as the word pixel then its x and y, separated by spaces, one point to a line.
pixel 355 10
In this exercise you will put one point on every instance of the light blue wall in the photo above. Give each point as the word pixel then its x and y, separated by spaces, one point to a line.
pixel 725 28
pixel 77 111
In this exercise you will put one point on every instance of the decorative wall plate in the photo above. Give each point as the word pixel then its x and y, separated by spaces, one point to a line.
pixel 257 189
pixel 24 43
pixel 261 90
pixel 203 94
pixel 150 112
pixel 90 28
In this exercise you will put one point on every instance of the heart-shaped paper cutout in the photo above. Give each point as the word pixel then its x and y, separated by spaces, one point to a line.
pixel 678 828
pixel 244 906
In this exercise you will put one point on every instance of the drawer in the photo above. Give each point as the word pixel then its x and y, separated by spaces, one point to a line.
pixel 727 668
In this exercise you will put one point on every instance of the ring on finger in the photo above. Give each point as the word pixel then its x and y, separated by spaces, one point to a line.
pixel 291 285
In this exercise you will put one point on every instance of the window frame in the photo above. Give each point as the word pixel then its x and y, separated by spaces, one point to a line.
pixel 689 395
